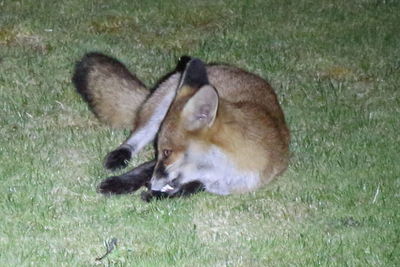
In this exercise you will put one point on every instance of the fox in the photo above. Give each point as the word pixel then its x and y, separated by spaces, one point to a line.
pixel 215 127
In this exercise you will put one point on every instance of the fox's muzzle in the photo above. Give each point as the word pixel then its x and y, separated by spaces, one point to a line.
pixel 162 182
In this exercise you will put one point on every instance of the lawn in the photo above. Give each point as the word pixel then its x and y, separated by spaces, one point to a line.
pixel 335 66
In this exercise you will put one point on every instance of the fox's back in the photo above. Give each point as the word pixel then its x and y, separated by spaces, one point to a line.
pixel 237 85
pixel 254 129
pixel 247 91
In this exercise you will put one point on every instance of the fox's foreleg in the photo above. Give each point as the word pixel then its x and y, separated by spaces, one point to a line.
pixel 150 117
pixel 128 182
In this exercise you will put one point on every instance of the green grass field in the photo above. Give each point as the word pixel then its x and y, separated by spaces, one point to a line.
pixel 335 65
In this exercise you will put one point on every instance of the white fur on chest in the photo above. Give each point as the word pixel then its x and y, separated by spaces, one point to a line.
pixel 219 174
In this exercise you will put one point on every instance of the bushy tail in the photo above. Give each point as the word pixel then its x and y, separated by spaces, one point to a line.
pixel 111 91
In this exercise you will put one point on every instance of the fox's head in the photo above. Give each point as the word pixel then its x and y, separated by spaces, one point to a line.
pixel 183 134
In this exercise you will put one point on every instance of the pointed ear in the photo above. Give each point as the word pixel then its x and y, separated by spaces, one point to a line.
pixel 201 109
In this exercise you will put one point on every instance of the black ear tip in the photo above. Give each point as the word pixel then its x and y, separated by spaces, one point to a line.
pixel 196 73
pixel 196 64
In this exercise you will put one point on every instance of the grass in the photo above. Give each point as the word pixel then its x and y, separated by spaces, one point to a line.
pixel 336 68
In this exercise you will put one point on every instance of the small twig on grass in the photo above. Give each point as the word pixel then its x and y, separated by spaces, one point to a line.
pixel 376 194
pixel 110 245
pixel 61 104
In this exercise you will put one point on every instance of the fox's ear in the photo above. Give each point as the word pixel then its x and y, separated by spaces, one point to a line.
pixel 201 109
pixel 195 74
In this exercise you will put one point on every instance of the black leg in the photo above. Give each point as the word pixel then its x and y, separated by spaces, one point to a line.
pixel 128 182
pixel 186 190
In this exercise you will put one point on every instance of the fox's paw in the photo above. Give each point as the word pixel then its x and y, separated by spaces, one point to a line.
pixel 149 195
pixel 118 158
pixel 146 196
pixel 113 185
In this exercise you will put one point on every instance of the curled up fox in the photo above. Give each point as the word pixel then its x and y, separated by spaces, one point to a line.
pixel 215 127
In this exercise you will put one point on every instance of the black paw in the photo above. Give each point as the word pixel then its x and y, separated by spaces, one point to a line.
pixel 150 195
pixel 114 185
pixel 118 158
pixel 146 196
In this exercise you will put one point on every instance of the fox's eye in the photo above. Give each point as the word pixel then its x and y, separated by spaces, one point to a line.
pixel 166 153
